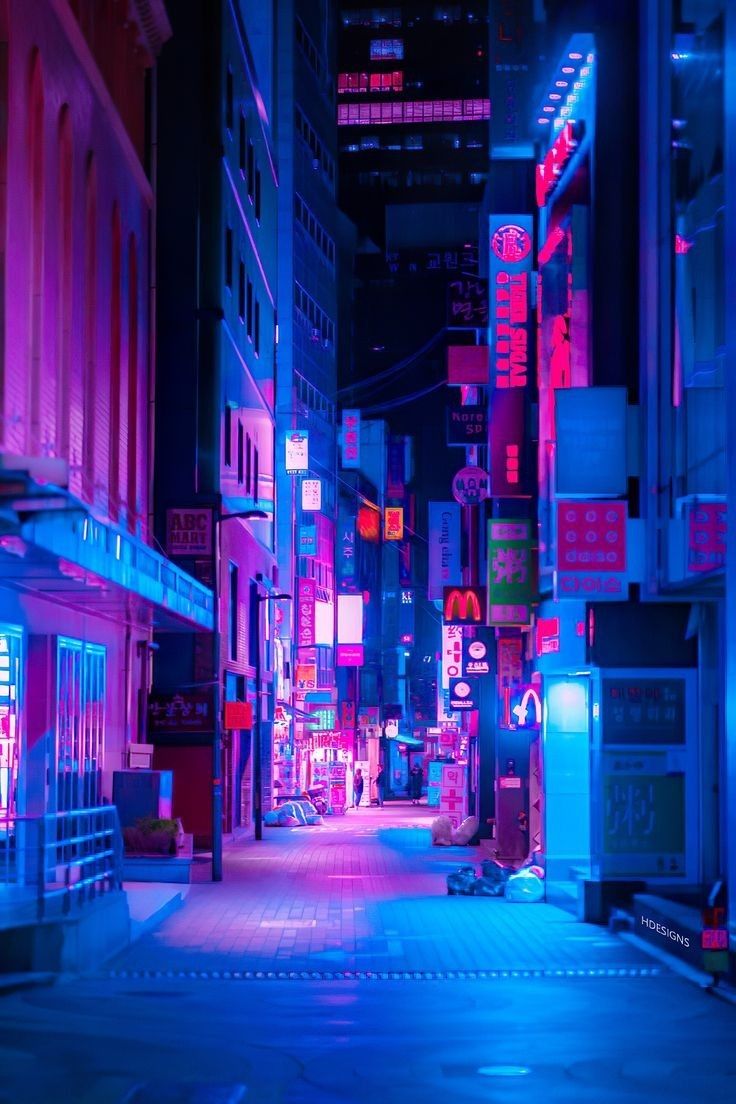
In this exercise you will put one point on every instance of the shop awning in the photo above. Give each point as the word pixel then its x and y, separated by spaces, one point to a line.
pixel 51 545
pixel 408 741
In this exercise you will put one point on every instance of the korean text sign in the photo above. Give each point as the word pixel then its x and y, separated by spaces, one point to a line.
pixel 512 584
pixel 307 595
pixel 591 550
pixel 351 438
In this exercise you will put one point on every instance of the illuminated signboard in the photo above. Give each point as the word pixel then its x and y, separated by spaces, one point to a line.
pixel 307 540
pixel 507 468
pixel 509 295
pixel 591 550
pixel 444 547
pixel 467 425
pixel 706 544
pixel 393 523
pixel 189 532
pixel 556 159
pixel 307 598
pixel 476 659
pixel 590 430
pixel 470 486
pixel 464 605
pixel 467 302
pixel 511 572
pixel 351 438
pixel 311 494
pixel 452 654
pixel 345 546
pixel 297 451
pixel 462 694
pixel 527 712
pixel 547 633
pixel 368 523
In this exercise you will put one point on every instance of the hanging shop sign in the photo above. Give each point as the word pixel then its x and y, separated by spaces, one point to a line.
pixel 238 715
pixel 556 159
pixel 393 523
pixel 350 655
pixel 444 547
pixel 452 654
pixel 189 532
pixel 396 467
pixel 509 478
pixel 181 712
pixel 307 600
pixel 510 262
pixel 311 494
pixel 467 364
pixel 346 546
pixel 511 572
pixel 351 438
pixel 453 793
pixel 470 486
pixel 706 538
pixel 467 302
pixel 476 657
pixel 591 550
pixel 526 708
pixel 307 540
pixel 464 605
pixel 467 425
pixel 510 661
pixel 463 694
pixel 297 451
pixel 590 429
pixel 368 523
pixel 547 635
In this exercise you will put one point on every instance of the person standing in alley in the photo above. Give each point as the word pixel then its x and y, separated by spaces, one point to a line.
pixel 416 778
pixel 380 780
pixel 357 787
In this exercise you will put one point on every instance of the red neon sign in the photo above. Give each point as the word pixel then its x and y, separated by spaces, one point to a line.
pixel 559 153
pixel 463 605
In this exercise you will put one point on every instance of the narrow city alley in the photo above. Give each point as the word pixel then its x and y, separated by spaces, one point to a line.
pixel 364 892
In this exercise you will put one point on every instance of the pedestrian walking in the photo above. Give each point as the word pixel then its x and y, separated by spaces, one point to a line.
pixel 357 787
pixel 416 777
pixel 380 782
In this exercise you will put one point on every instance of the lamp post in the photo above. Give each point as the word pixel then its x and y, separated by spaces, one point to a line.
pixel 246 515
pixel 256 601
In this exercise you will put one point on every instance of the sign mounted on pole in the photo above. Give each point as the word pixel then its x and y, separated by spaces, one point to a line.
pixel 351 438
pixel 470 486
pixel 297 451
pixel 393 523
pixel 311 494
pixel 511 572
pixel 464 605
pixel 444 547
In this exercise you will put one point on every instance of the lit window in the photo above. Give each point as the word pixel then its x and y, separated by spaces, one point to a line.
pixel 390 48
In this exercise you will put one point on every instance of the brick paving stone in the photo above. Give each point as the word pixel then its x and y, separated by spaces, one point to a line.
pixel 363 892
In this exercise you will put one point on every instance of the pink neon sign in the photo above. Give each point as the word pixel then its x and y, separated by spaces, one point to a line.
pixel 556 158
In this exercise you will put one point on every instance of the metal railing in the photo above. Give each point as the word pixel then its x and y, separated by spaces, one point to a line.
pixel 61 860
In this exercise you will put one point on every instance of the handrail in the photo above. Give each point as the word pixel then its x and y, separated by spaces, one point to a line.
pixel 75 855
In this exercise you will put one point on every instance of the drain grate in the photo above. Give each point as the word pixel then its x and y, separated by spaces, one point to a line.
pixel 387 975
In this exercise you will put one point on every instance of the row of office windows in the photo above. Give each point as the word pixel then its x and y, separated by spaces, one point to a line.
pixel 417 179
pixel 413 142
pixel 322 159
pixel 395 16
pixel 413 111
pixel 370 82
pixel 249 309
pixel 310 314
pixel 240 453
pixel 321 238
pixel 247 163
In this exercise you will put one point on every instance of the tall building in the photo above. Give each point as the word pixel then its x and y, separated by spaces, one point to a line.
pixel 81 584
pixel 306 374
pixel 215 401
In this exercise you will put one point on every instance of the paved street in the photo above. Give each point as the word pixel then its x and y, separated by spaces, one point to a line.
pixel 366 892
pixel 532 1006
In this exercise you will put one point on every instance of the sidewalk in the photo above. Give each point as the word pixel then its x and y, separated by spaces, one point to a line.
pixel 365 892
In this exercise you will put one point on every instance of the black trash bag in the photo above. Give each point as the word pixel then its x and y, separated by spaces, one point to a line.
pixel 460 882
pixel 488 887
pixel 494 873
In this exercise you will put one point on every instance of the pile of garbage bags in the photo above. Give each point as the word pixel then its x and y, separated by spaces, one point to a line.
pixel 293 814
pixel 523 886
pixel 444 835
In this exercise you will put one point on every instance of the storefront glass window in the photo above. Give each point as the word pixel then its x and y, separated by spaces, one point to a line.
pixel 80 723
pixel 10 669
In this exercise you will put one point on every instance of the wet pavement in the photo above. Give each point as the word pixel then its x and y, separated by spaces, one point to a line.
pixel 371 984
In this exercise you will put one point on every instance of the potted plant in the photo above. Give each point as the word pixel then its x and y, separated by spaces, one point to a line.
pixel 151 836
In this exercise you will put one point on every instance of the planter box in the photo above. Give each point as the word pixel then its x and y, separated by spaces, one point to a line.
pixel 160 868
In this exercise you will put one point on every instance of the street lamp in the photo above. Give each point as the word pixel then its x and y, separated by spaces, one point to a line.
pixel 246 515
pixel 256 600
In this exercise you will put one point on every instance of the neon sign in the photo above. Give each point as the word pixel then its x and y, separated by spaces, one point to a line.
pixel 522 709
pixel 463 605
pixel 510 270
pixel 556 159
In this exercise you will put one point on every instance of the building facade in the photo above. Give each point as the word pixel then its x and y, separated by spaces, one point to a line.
pixel 215 479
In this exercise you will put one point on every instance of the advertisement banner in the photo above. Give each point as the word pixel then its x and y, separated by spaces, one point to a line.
pixel 350 618
pixel 311 494
pixel 467 364
pixel 350 655
pixel 510 261
pixel 351 438
pixel 189 532
pixel 393 523
pixel 346 546
pixel 307 540
pixel 452 654
pixel 509 479
pixel 706 539
pixel 444 547
pixel 297 451
pixel 591 441
pixel 591 550
pixel 512 584
pixel 307 600
pixel 467 425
